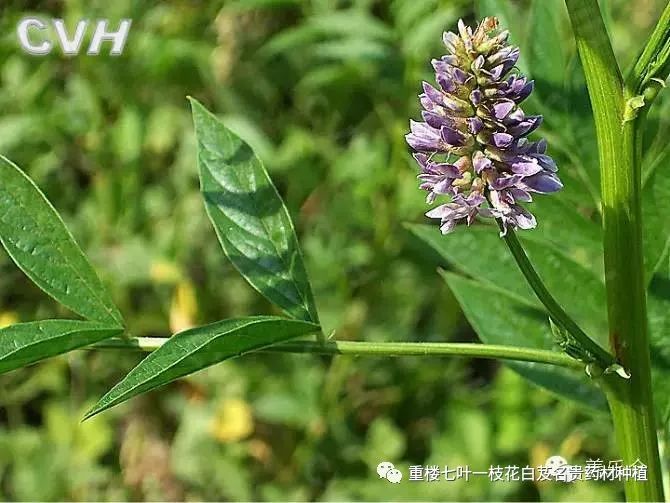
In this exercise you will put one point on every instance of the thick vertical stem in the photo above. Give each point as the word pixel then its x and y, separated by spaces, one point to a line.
pixel 630 400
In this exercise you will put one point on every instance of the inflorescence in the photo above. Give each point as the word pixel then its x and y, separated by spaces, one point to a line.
pixel 473 145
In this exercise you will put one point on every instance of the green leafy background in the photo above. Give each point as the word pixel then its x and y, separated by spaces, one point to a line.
pixel 322 90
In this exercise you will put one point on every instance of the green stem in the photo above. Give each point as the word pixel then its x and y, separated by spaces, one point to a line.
pixel 556 312
pixel 630 400
pixel 654 62
pixel 386 349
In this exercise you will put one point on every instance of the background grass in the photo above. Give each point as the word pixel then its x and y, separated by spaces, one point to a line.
pixel 323 91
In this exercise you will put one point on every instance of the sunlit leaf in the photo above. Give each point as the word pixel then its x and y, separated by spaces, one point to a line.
pixel 38 241
pixel 249 216
pixel 198 348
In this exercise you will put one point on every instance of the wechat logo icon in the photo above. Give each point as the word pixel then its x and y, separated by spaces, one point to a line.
pixel 386 470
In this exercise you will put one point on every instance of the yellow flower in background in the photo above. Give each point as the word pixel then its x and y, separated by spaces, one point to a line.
pixel 8 318
pixel 184 308
pixel 233 420
pixel 163 271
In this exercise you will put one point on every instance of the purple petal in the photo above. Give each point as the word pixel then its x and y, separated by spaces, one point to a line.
pixel 475 199
pixel 460 76
pixel 435 120
pixel 442 170
pixel 499 57
pixel 505 182
pixel 526 168
pixel 520 195
pixel 481 162
pixel 447 84
pixel 523 218
pixel 478 63
pixel 420 143
pixel 423 137
pixel 539 147
pixel 495 72
pixel 447 226
pixel 525 92
pixel 475 124
pixel 546 162
pixel 476 97
pixel 433 94
pixel 502 140
pixel 527 126
pixel 441 211
pixel 451 40
pixel 516 116
pixel 427 103
pixel 516 84
pixel 443 186
pixel 422 159
pixel 543 183
pixel 450 59
pixel 452 137
pixel 511 60
pixel 502 109
pixel 439 65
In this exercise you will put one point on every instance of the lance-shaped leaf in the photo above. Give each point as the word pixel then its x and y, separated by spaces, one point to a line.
pixel 26 343
pixel 38 241
pixel 249 216
pixel 500 318
pixel 200 347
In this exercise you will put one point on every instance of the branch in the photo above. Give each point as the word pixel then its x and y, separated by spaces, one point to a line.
pixel 386 349
pixel 556 312
pixel 652 67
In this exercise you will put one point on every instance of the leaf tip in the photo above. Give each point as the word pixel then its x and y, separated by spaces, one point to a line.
pixel 94 411
pixel 196 106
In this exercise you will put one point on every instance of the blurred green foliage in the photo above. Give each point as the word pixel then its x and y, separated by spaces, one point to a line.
pixel 322 90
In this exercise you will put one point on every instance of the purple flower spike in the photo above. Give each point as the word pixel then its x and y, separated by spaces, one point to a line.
pixel 473 146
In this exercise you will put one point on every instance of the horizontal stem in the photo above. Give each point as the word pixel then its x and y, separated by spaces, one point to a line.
pixel 356 348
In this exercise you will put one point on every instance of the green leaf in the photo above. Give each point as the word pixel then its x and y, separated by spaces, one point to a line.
pixel 500 318
pixel 655 211
pixel 658 307
pixel 349 28
pixel 565 228
pixel 471 250
pixel 546 57
pixel 39 243
pixel 250 219
pixel 351 23
pixel 198 348
pixel 480 253
pixel 26 343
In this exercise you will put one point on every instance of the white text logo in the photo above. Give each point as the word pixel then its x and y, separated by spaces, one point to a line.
pixel 34 38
